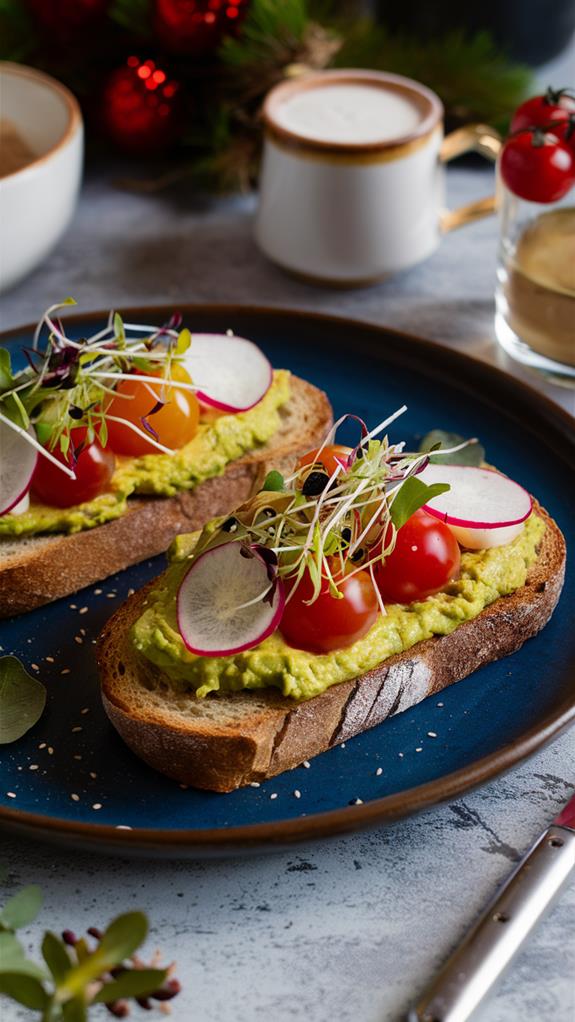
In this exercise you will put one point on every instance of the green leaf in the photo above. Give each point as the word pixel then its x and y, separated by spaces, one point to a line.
pixel 27 990
pixel 133 983
pixel 56 956
pixel 6 377
pixel 184 341
pixel 22 908
pixel 473 454
pixel 120 940
pixel 22 700
pixel 274 481
pixel 412 495
pixel 13 958
pixel 44 431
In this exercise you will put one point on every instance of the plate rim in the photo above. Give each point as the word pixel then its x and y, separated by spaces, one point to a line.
pixel 283 833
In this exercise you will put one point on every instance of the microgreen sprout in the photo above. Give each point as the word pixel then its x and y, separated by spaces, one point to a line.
pixel 346 522
pixel 69 383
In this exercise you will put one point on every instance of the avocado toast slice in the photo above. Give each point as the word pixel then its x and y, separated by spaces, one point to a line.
pixel 231 739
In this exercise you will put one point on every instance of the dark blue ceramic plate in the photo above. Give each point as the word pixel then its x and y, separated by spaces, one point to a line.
pixel 73 780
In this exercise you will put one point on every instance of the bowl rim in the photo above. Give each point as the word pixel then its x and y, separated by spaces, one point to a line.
pixel 71 103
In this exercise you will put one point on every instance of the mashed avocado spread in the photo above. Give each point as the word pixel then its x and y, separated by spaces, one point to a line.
pixel 485 576
pixel 217 442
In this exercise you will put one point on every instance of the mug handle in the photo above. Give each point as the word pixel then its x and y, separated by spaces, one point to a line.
pixel 476 138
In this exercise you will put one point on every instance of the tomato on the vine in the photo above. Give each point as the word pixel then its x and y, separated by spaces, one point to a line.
pixel 425 558
pixel 536 166
pixel 541 111
pixel 329 623
pixel 331 456
pixel 94 469
pixel 175 423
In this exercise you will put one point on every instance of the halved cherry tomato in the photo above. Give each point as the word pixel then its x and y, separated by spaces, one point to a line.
pixel 94 469
pixel 176 423
pixel 425 558
pixel 329 623
pixel 330 458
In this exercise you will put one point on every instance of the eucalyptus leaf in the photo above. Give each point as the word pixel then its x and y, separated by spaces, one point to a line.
pixel 13 958
pixel 412 495
pixel 120 940
pixel 22 700
pixel 132 983
pixel 27 990
pixel 22 908
pixel 473 454
pixel 56 956
pixel 274 481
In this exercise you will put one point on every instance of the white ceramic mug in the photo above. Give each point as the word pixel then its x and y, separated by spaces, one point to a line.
pixel 352 181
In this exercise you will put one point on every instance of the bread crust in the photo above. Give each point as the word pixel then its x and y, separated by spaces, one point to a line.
pixel 251 737
pixel 49 567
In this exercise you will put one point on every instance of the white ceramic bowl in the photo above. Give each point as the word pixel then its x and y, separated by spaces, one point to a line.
pixel 37 202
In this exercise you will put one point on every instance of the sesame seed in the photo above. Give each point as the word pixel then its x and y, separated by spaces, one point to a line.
pixel 85 709
pixel 379 772
pixel 274 794
pixel 131 592
pixel 76 729
pixel 432 734
pixel 93 775
pixel 50 750
pixel 33 766
pixel 254 784
pixel 440 704
pixel 98 592
pixel 122 826
pixel 342 745
pixel 11 794
pixel 42 745
pixel 77 757
pixel 83 610
pixel 34 667
pixel 97 805
pixel 73 606
pixel 419 749
pixel 74 797
pixel 49 659
pixel 306 763
pixel 110 596
pixel 66 670
pixel 297 794
pixel 400 754
pixel 184 787
pixel 356 802
pixel 78 639
pixel 82 631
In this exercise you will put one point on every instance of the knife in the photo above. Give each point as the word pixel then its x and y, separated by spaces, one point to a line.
pixel 490 945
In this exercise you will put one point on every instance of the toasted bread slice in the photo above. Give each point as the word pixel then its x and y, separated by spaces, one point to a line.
pixel 225 741
pixel 35 570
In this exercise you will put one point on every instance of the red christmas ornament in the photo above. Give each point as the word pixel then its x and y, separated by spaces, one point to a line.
pixel 140 107
pixel 196 27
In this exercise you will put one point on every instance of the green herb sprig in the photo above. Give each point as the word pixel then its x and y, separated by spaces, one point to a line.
pixel 78 973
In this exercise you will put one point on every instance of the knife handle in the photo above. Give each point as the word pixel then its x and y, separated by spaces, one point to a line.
pixel 489 946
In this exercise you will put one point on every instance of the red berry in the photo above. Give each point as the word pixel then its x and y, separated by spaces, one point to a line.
pixel 537 166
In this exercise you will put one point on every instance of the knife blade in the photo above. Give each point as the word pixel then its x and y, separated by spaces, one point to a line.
pixel 492 942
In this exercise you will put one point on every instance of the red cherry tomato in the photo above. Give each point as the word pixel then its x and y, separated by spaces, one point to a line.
pixel 542 111
pixel 537 167
pixel 329 623
pixel 176 423
pixel 94 470
pixel 425 558
pixel 330 458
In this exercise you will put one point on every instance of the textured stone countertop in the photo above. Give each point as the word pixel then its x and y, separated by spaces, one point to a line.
pixel 352 929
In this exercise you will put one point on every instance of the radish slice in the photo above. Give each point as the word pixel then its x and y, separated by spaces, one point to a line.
pixel 231 373
pixel 483 508
pixel 17 463
pixel 220 604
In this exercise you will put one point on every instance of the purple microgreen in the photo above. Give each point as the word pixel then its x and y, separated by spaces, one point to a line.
pixel 149 429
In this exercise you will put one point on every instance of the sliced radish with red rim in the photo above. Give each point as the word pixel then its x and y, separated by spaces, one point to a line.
pixel 482 508
pixel 227 602
pixel 17 463
pixel 231 373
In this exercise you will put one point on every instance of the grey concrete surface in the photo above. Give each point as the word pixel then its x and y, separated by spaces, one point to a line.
pixel 352 929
